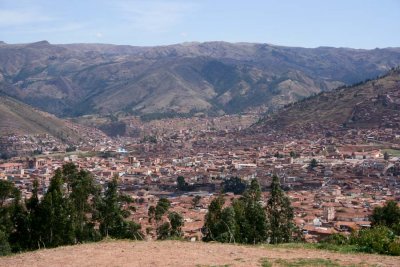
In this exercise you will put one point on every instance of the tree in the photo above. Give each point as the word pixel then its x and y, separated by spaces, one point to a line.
pixel 388 215
pixel 67 214
pixel 151 213
pixel 256 221
pixel 313 164
pixel 182 185
pixel 162 207
pixel 69 172
pixel 280 214
pixel 176 222
pixel 82 190
pixel 163 231
pixel 211 228
pixel 227 232
pixel 235 185
pixel 5 248
pixel 57 223
pixel 386 155
pixel 19 238
pixel 196 201
pixel 35 222
pixel 242 222
pixel 7 190
pixel 112 215
pixel 379 239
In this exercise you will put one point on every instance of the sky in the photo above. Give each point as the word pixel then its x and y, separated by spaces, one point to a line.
pixel 305 23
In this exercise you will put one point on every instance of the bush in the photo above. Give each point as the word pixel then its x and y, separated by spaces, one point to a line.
pixel 5 248
pixel 394 248
pixel 337 239
pixel 235 185
pixel 375 240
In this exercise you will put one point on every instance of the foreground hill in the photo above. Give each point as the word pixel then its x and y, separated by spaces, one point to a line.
pixel 19 118
pixel 176 253
pixel 375 103
pixel 213 77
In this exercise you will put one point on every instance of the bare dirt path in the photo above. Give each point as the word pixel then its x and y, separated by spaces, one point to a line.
pixel 176 253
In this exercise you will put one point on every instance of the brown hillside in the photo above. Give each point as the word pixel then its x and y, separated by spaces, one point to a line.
pixel 19 118
pixel 375 103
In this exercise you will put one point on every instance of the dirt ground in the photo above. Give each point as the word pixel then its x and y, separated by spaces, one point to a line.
pixel 176 253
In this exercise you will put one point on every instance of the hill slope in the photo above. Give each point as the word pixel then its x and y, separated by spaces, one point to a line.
pixel 19 118
pixel 215 77
pixel 375 103
pixel 175 253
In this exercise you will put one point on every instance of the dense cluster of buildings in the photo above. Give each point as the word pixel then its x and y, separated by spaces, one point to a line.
pixel 356 170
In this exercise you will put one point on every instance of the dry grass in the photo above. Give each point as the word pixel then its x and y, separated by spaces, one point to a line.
pixel 177 253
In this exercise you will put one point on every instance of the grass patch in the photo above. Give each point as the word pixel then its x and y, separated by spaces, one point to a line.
pixel 310 263
pixel 225 265
pixel 265 262
pixel 337 248
pixel 323 246
pixel 392 152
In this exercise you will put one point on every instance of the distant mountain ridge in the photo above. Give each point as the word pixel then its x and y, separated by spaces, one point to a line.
pixel 212 77
pixel 370 104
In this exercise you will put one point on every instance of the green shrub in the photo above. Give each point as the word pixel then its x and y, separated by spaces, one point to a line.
pixel 5 248
pixel 375 240
pixel 265 262
pixel 394 248
pixel 336 239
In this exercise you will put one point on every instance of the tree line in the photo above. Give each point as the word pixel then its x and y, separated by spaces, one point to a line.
pixel 74 209
pixel 246 220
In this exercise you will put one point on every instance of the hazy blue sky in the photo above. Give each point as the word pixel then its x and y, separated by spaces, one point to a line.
pixel 308 23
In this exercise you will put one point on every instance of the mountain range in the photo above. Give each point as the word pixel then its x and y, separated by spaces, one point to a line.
pixel 214 77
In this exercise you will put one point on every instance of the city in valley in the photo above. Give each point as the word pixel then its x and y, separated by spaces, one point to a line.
pixel 334 176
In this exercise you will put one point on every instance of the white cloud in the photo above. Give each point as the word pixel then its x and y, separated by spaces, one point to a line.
pixel 99 35
pixel 10 18
pixel 154 16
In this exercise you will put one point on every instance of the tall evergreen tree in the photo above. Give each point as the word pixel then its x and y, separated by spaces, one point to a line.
pixel 7 190
pixel 82 189
pixel 35 222
pixel 242 222
pixel 280 214
pixel 254 214
pixel 20 236
pixel 211 228
pixel 57 223
pixel 112 216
